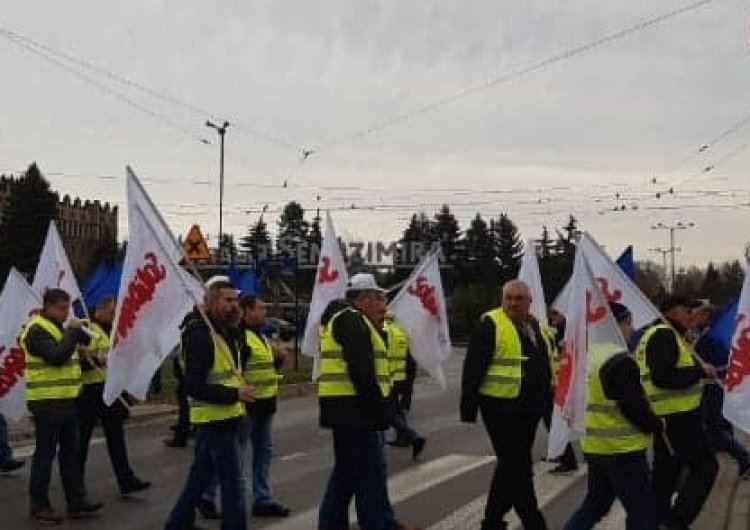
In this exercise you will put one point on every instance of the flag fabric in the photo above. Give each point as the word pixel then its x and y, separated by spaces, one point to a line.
pixel 721 329
pixel 244 281
pixel 420 309
pixel 736 382
pixel 155 294
pixel 330 284
pixel 613 283
pixel 17 301
pixel 627 263
pixel 591 337
pixel 105 280
pixel 529 274
pixel 53 269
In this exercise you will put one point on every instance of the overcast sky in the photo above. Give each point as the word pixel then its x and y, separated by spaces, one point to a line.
pixel 567 138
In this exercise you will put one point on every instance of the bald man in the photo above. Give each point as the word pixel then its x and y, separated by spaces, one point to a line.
pixel 506 377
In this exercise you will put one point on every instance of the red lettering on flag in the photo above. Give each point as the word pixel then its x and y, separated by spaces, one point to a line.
pixel 326 274
pixel 593 314
pixel 140 291
pixel 426 294
pixel 739 366
pixel 564 373
pixel 611 296
pixel 11 369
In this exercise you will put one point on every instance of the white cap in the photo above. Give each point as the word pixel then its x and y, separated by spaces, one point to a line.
pixel 363 282
pixel 216 279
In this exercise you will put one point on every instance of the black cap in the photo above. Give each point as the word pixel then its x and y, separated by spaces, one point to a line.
pixel 672 301
pixel 619 311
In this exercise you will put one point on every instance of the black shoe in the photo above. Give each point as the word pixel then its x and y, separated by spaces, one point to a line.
pixel 11 465
pixel 417 447
pixel 84 510
pixel 398 442
pixel 176 442
pixel 134 486
pixel 208 510
pixel 47 517
pixel 272 509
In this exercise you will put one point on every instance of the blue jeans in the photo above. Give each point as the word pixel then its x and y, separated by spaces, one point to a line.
pixel 359 471
pixel 215 452
pixel 6 453
pixel 401 425
pixel 260 438
pixel 626 478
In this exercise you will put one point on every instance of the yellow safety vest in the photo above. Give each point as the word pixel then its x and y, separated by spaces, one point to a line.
pixel 503 378
pixel 334 378
pixel 99 342
pixel 607 431
pixel 260 372
pixel 222 373
pixel 44 381
pixel 398 350
pixel 668 401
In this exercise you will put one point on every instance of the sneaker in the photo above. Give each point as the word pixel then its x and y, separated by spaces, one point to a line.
pixel 11 465
pixel 563 469
pixel 84 510
pixel 134 486
pixel 47 517
pixel 272 509
pixel 417 447
pixel 208 510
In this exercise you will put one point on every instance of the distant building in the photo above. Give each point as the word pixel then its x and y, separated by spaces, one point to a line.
pixel 84 225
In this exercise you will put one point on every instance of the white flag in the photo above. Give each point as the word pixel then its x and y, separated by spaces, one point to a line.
pixel 330 284
pixel 591 337
pixel 53 269
pixel 613 283
pixel 530 275
pixel 155 294
pixel 420 309
pixel 17 301
pixel 736 383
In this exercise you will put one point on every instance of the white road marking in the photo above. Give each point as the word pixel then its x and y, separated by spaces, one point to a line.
pixel 292 456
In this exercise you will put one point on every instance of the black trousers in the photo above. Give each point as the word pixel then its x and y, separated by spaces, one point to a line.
pixel 91 409
pixel 692 455
pixel 182 430
pixel 55 426
pixel 512 437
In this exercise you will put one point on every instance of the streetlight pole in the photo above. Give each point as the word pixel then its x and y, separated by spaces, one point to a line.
pixel 663 252
pixel 222 130
pixel 672 227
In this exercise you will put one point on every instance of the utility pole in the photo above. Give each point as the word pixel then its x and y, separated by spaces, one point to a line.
pixel 664 252
pixel 222 131
pixel 672 227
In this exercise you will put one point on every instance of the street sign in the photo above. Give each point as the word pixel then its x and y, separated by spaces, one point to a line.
pixel 195 246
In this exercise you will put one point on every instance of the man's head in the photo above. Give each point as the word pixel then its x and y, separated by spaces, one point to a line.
pixel 253 309
pixel 222 302
pixel 702 311
pixel 363 292
pixel 104 312
pixel 624 319
pixel 677 309
pixel 516 300
pixel 56 305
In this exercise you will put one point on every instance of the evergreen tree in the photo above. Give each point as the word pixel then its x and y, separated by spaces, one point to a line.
pixel 257 241
pixel 508 247
pixel 30 206
pixel 546 245
pixel 448 233
pixel 477 263
pixel 293 229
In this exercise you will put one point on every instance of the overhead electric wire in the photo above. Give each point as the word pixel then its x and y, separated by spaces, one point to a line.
pixel 511 76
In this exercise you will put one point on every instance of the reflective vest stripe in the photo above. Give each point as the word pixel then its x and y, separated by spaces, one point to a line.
pixel 260 371
pixel 398 350
pixel 100 341
pixel 222 373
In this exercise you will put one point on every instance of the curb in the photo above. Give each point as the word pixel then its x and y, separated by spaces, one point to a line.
pixel 150 410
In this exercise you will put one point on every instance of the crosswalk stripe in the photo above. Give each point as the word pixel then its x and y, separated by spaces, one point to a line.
pixel 547 487
pixel 404 485
pixel 28 450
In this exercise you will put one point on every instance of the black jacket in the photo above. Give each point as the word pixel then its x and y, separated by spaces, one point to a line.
pixel 198 352
pixel 535 384
pixel 40 343
pixel 369 409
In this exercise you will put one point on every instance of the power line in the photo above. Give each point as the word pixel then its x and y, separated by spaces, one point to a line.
pixel 28 42
pixel 505 78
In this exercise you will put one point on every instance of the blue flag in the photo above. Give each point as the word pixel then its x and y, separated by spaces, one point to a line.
pixel 245 281
pixel 105 280
pixel 626 262
pixel 721 330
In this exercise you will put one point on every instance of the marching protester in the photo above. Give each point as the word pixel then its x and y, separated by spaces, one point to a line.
pixel 53 382
pixel 353 390
pixel 403 370
pixel 619 425
pixel 91 406
pixel 7 462
pixel 683 461
pixel 506 377
pixel 214 353
pixel 720 431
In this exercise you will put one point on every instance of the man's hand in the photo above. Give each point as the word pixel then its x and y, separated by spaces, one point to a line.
pixel 74 323
pixel 246 393
pixel 709 370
